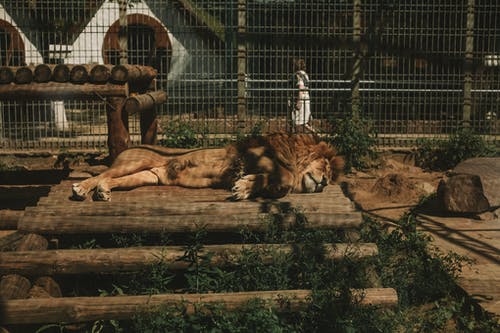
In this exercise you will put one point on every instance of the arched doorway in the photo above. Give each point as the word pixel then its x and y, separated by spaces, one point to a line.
pixel 148 43
pixel 11 46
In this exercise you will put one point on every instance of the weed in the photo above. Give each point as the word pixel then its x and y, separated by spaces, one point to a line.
pixel 446 154
pixel 355 139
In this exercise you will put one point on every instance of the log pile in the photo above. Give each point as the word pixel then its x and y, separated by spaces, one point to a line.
pixel 35 297
pixel 136 75
pixel 92 81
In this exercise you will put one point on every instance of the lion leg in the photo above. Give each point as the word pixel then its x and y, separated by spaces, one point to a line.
pixel 81 190
pixel 143 178
pixel 261 184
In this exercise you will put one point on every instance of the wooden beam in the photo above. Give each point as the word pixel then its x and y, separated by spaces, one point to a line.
pixel 56 262
pixel 133 74
pixel 254 221
pixel 55 90
pixel 118 135
pixel 83 309
pixel 145 102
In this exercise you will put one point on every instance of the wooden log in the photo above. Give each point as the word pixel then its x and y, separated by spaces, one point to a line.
pixel 13 286
pixel 81 309
pixel 178 223
pixel 56 262
pixel 100 74
pixel 149 127
pixel 42 73
pixel 60 73
pixel 145 102
pixel 8 243
pixel 56 90
pixel 118 135
pixel 23 75
pixel 32 242
pixel 9 218
pixel 133 74
pixel 79 74
pixel 7 75
pixel 90 208
pixel 49 285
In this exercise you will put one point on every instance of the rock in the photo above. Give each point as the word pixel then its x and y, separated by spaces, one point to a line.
pixel 472 187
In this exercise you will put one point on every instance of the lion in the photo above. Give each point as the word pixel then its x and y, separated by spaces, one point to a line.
pixel 267 166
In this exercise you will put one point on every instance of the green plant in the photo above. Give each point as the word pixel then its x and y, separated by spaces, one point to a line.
pixel 355 139
pixel 179 134
pixel 446 154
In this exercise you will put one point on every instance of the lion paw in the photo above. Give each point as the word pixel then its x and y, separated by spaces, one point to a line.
pixel 242 188
pixel 102 194
pixel 79 192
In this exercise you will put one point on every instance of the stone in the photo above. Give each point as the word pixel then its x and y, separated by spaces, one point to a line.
pixel 472 187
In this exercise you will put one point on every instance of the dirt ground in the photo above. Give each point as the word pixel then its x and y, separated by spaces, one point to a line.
pixel 392 188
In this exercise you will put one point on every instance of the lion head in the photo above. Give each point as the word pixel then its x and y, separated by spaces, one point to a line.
pixel 299 163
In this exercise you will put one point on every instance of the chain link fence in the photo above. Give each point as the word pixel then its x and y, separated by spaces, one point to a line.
pixel 414 68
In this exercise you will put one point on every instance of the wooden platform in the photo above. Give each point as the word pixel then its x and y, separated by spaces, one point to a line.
pixel 176 209
pixel 168 209
pixel 477 240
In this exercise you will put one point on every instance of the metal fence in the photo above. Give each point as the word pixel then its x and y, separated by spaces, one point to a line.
pixel 414 68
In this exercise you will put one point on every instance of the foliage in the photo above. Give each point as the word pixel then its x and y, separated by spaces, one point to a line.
pixel 179 134
pixel 355 139
pixel 446 154
pixel 424 280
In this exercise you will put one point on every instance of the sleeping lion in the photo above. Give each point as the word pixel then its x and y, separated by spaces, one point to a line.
pixel 269 166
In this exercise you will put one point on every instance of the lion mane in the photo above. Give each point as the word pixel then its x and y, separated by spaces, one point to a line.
pixel 268 166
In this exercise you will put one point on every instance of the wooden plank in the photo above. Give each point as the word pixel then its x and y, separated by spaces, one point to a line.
pixel 83 309
pixel 55 262
pixel 178 223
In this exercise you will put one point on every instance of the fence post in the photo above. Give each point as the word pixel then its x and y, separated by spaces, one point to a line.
pixel 122 33
pixel 357 58
pixel 469 49
pixel 242 61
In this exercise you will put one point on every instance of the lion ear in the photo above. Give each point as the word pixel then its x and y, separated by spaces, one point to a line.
pixel 337 164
